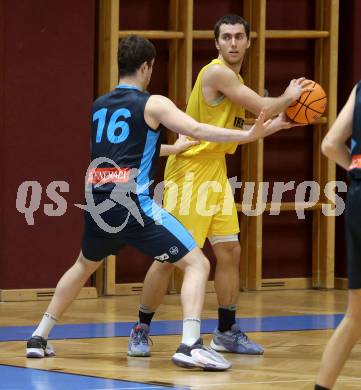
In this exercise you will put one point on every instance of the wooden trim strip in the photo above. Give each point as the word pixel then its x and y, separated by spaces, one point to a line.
pixel 296 34
pixel 153 34
pixel 136 288
pixel 209 34
pixel 128 288
pixel 341 283
pixel 41 294
pixel 287 284
pixel 271 34
pixel 286 206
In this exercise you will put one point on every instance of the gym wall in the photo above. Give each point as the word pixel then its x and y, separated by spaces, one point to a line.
pixel 48 54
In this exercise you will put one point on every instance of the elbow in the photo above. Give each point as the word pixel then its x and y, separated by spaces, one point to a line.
pixel 327 147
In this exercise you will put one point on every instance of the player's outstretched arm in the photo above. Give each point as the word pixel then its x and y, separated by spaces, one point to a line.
pixel 334 144
pixel 280 122
pixel 160 109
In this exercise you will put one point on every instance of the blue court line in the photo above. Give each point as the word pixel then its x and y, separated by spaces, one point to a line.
pixel 160 328
pixel 16 378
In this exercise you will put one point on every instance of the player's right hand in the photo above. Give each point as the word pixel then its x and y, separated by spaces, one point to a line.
pixel 297 87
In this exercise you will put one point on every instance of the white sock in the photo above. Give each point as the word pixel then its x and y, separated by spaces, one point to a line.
pixel 191 330
pixel 45 326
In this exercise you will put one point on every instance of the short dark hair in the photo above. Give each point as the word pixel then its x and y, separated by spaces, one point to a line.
pixel 133 51
pixel 231 19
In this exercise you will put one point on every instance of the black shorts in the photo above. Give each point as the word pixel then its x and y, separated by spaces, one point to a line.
pixel 353 233
pixel 148 227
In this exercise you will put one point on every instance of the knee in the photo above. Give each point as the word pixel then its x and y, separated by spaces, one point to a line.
pixel 194 261
pixel 87 266
pixel 206 267
pixel 229 254
pixel 163 268
pixel 352 321
pixel 201 263
pixel 236 252
pixel 354 307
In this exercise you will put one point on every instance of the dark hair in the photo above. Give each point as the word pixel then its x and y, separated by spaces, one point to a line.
pixel 231 19
pixel 133 51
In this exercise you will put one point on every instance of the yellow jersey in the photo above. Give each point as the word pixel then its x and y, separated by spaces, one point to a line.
pixel 222 113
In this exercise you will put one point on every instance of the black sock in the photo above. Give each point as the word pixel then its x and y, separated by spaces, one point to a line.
pixel 226 318
pixel 318 387
pixel 145 317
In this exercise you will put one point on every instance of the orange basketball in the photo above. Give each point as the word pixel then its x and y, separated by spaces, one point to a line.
pixel 309 106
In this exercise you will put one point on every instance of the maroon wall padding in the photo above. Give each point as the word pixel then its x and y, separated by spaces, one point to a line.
pixel 144 15
pixel 287 241
pixel 47 68
pixel 46 74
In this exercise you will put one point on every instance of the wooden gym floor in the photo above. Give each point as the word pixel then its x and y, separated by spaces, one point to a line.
pixel 91 344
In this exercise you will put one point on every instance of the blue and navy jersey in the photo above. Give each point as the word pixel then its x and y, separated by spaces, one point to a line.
pixel 123 147
pixel 120 209
pixel 356 135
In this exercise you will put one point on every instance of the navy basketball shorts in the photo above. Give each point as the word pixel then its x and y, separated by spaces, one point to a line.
pixel 142 224
pixel 353 233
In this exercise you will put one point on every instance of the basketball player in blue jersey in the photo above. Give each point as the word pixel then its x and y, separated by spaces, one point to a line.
pixel 347 124
pixel 120 210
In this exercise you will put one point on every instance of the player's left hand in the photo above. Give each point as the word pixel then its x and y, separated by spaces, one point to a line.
pixel 281 121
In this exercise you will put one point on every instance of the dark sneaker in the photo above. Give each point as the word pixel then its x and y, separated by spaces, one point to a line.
pixel 235 341
pixel 38 347
pixel 197 355
pixel 138 344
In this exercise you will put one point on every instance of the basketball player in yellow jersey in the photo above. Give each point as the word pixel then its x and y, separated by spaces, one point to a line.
pixel 198 192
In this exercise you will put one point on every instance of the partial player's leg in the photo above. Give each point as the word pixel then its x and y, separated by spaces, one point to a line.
pixel 66 291
pixel 223 236
pixel 341 343
pixel 228 337
pixel 192 353
pixel 155 284
pixel 226 280
pixel 349 331
pixel 70 285
pixel 154 288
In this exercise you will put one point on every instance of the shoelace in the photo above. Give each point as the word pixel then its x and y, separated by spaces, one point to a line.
pixel 240 336
pixel 39 340
pixel 141 337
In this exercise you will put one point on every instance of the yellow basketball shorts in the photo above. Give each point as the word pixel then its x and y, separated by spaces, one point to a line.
pixel 198 194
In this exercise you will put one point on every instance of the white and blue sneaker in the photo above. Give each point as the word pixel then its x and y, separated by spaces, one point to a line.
pixel 235 341
pixel 138 344
pixel 199 356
